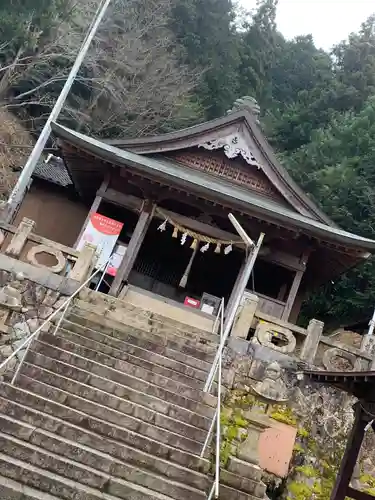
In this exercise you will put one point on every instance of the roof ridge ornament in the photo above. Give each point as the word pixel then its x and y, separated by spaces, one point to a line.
pixel 234 145
pixel 247 103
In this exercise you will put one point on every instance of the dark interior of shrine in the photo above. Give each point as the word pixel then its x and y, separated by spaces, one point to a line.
pixel 162 261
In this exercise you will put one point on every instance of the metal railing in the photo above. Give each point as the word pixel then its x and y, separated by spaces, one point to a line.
pixel 225 330
pixel 216 418
pixel 26 344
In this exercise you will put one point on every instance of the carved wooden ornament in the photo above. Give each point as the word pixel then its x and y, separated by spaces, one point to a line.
pixel 234 145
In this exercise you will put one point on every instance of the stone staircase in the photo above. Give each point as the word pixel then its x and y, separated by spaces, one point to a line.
pixel 114 410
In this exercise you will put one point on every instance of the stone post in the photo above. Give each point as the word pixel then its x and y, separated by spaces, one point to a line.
pixel 367 347
pixel 245 316
pixel 248 451
pixel 84 264
pixel 311 343
pixel 372 364
pixel 19 239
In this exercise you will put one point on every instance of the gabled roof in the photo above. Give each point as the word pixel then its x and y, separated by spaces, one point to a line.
pixel 251 144
pixel 54 171
pixel 216 188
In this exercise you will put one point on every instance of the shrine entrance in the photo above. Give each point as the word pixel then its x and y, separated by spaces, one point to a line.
pixel 162 263
pixel 176 262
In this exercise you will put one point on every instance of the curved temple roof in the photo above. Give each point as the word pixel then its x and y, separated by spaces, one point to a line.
pixel 200 182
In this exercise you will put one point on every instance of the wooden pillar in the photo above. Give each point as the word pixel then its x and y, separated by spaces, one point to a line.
pixel 353 446
pixel 135 243
pixel 294 288
pixel 94 207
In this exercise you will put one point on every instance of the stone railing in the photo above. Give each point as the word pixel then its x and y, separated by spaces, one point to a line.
pixel 306 344
pixel 23 244
pixel 36 277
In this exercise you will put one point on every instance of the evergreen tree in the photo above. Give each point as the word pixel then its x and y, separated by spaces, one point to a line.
pixel 338 168
pixel 258 47
pixel 205 30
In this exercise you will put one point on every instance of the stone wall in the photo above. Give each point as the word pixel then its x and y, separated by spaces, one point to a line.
pixel 31 289
pixel 301 429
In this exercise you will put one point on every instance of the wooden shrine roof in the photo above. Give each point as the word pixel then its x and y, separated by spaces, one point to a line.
pixel 214 134
pixel 213 188
pixel 358 384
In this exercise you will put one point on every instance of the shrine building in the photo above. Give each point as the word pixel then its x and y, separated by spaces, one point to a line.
pixel 173 194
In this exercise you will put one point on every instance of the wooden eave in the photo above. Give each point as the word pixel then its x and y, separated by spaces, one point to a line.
pixel 204 185
pixel 241 122
pixel 88 160
pixel 359 384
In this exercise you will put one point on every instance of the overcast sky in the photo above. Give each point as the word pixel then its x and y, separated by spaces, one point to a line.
pixel 329 21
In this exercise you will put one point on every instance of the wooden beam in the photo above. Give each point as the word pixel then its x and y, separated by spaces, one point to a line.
pixel 94 207
pixel 284 259
pixel 359 495
pixel 353 446
pixel 123 200
pixel 133 247
pixel 134 203
pixel 294 288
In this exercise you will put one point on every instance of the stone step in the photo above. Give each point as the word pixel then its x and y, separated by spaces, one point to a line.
pixel 145 320
pixel 131 365
pixel 106 414
pixel 228 493
pixel 181 351
pixel 182 370
pixel 149 439
pixel 157 471
pixel 102 473
pixel 13 490
pixel 62 487
pixel 102 391
pixel 134 388
pixel 93 320
pixel 246 485
pixel 161 459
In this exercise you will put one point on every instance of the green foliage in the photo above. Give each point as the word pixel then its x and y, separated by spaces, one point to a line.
pixel 157 66
pixel 284 414
pixel 205 30
pixel 369 481
pixel 339 171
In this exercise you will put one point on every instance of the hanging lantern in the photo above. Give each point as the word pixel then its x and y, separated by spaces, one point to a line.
pixel 163 226
pixel 175 232
pixel 228 249
pixel 194 244
pixel 205 247
pixel 183 238
pixel 218 248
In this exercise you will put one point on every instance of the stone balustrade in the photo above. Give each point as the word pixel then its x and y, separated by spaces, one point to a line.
pixel 22 243
pixel 306 344
pixel 36 276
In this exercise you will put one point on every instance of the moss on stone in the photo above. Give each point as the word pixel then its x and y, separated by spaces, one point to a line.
pixel 284 414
